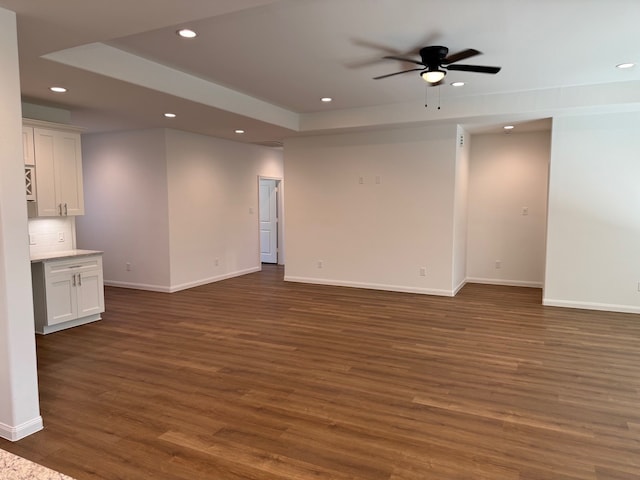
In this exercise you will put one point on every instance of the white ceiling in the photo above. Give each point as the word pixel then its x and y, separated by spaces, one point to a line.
pixel 262 65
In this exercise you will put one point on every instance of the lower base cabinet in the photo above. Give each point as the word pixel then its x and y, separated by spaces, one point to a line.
pixel 67 293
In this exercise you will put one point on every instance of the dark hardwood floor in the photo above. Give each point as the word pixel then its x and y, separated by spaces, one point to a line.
pixel 255 378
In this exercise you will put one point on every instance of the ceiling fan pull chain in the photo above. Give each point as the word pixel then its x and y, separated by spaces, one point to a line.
pixel 438 97
pixel 426 95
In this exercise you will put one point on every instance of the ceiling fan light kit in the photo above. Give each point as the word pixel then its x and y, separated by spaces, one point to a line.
pixel 433 76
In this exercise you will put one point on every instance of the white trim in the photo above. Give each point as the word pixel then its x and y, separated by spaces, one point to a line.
pixel 31 122
pixel 184 286
pixel 459 287
pixel 25 429
pixel 505 282
pixel 197 283
pixel 606 307
pixel 46 329
pixel 370 286
pixel 137 286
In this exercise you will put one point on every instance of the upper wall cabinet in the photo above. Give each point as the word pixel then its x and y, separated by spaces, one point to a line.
pixel 27 145
pixel 58 168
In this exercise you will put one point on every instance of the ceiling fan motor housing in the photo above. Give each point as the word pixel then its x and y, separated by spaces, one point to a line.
pixel 433 55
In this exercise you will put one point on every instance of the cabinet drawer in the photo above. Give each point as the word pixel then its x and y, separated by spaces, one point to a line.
pixel 73 265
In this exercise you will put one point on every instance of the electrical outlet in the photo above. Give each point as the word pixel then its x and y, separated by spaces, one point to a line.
pixel 32 239
pixel 361 180
pixel 378 180
pixel 639 286
pixel 216 262
pixel 320 263
pixel 498 264
pixel 60 236
pixel 525 211
pixel 127 266
pixel 423 271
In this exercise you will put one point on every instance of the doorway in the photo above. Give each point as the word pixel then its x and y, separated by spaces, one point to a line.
pixel 270 205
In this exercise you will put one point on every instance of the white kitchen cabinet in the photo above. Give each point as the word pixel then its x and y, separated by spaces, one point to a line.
pixel 57 157
pixel 29 163
pixel 67 292
pixel 27 145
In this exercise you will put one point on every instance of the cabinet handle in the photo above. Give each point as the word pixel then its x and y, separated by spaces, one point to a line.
pixel 74 279
pixel 60 208
pixel 80 279
pixel 65 210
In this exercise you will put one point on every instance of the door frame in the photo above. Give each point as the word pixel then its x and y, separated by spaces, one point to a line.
pixel 280 212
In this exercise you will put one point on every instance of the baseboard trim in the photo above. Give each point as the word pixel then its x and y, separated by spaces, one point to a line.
pixel 218 278
pixel 184 286
pixel 370 286
pixel 504 282
pixel 46 329
pixel 137 286
pixel 13 434
pixel 459 287
pixel 605 307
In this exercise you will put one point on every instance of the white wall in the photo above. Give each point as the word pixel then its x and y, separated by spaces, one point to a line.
pixel 213 206
pixel 461 194
pixel 19 408
pixel 594 220
pixel 46 113
pixel 508 172
pixel 170 203
pixel 369 234
pixel 126 206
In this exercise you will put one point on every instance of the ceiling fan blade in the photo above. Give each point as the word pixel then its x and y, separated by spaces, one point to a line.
pixel 429 39
pixel 473 68
pixel 397 73
pixel 464 54
pixel 375 46
pixel 409 60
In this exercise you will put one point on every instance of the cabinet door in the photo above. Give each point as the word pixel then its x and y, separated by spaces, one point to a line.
pixel 90 292
pixel 58 160
pixel 62 298
pixel 68 170
pixel 27 146
pixel 44 147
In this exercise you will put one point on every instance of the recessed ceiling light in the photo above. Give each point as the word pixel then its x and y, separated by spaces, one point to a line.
pixel 625 65
pixel 239 131
pixel 58 89
pixel 457 84
pixel 187 33
pixel 170 115
pixel 508 127
pixel 326 99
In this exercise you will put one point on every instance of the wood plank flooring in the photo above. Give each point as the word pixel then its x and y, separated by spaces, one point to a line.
pixel 254 378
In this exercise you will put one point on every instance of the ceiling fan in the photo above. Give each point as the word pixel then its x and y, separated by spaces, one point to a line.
pixel 434 63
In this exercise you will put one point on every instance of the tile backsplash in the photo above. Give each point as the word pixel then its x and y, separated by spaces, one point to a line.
pixel 55 234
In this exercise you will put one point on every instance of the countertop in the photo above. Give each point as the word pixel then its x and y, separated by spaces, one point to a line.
pixel 43 257
pixel 13 467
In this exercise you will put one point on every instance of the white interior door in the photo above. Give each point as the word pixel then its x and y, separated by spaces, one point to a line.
pixel 268 221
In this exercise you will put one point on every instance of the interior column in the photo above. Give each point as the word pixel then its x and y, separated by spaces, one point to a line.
pixel 19 406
